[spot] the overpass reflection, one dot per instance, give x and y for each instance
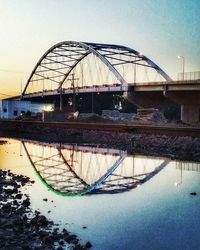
(74, 170)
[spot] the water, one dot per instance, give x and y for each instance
(125, 201)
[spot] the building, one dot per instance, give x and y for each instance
(11, 109)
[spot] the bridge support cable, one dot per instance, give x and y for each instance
(107, 174)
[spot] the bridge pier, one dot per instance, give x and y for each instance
(190, 113)
(190, 108)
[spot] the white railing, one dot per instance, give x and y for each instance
(188, 76)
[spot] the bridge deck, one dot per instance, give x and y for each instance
(187, 85)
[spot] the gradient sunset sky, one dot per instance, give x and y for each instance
(160, 29)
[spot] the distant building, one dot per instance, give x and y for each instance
(10, 109)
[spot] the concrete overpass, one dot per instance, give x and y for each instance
(162, 94)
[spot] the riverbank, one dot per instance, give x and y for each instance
(174, 147)
(23, 228)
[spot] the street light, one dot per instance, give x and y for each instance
(183, 64)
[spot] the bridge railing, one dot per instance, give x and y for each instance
(195, 75)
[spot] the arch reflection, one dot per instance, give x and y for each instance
(74, 170)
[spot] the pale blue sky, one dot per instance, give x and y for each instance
(161, 29)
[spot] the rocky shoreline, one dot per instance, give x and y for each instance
(23, 228)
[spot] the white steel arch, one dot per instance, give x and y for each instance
(54, 67)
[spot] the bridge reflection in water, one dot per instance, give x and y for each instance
(74, 170)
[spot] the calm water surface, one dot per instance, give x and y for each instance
(125, 201)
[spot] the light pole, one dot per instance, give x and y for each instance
(183, 64)
(139, 56)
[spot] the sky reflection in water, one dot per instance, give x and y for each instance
(142, 202)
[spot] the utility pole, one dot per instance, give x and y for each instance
(73, 79)
(134, 73)
(92, 102)
(74, 96)
(61, 99)
(21, 88)
(183, 66)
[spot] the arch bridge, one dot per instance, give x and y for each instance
(74, 170)
(70, 68)
(89, 66)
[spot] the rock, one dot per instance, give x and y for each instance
(8, 224)
(18, 196)
(59, 248)
(42, 221)
(7, 208)
(7, 182)
(88, 245)
(79, 247)
(9, 191)
(150, 115)
(61, 242)
(47, 240)
(193, 193)
(22, 228)
(26, 202)
(68, 238)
